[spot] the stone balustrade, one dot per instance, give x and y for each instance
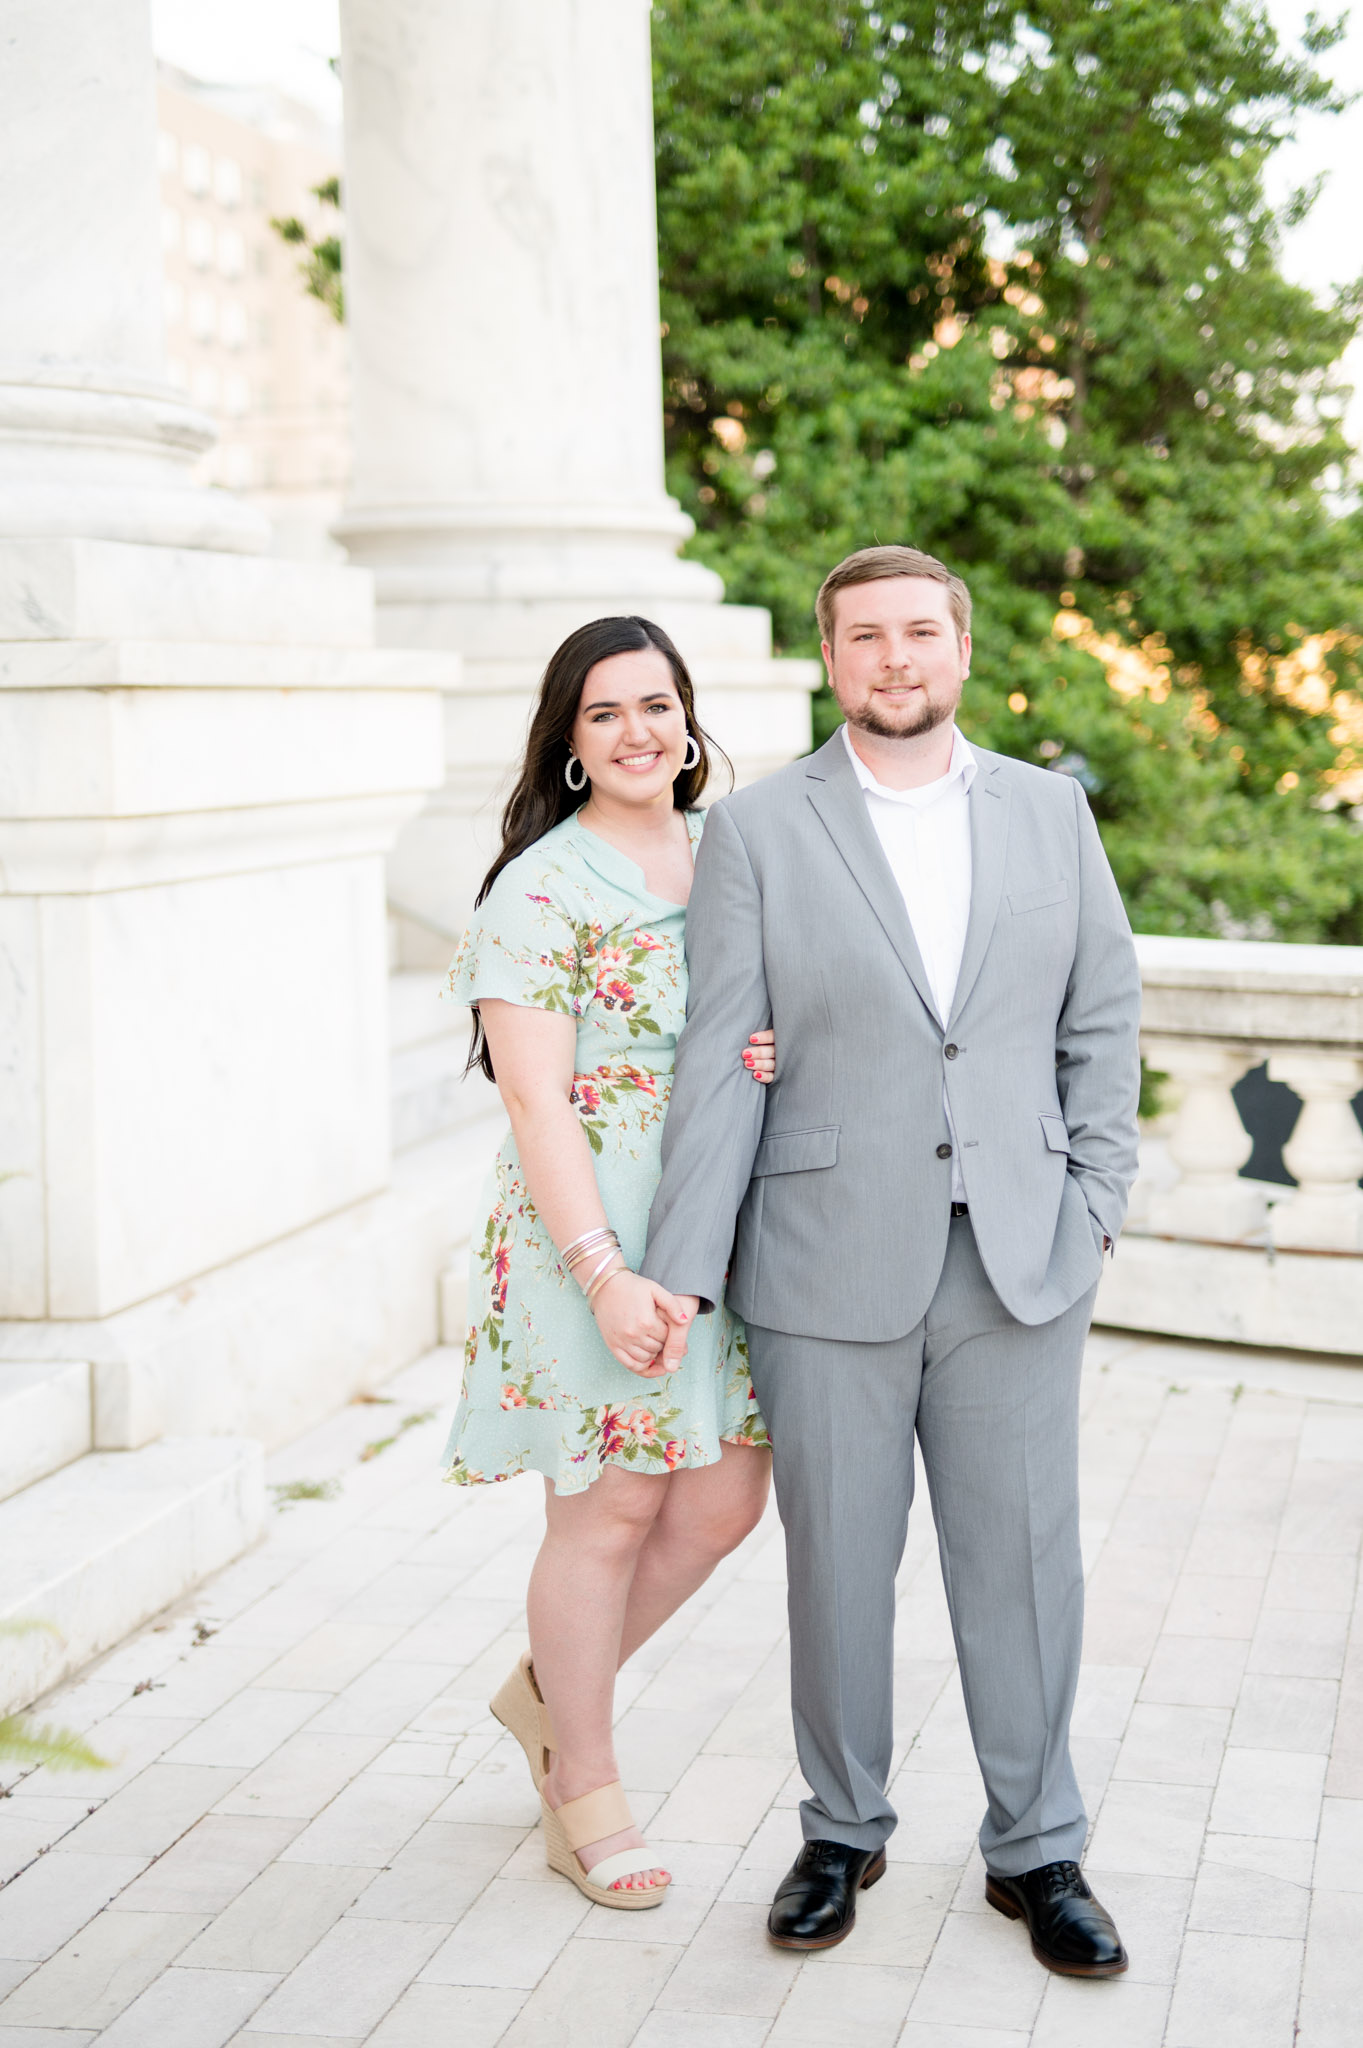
(1209, 1252)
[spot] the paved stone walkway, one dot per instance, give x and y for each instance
(314, 1833)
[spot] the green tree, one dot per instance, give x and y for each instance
(321, 268)
(1005, 284)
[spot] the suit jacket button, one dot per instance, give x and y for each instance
(944, 1151)
(950, 1051)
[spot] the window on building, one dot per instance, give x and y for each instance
(236, 394)
(173, 301)
(257, 191)
(227, 181)
(232, 326)
(170, 228)
(197, 169)
(199, 244)
(167, 153)
(258, 260)
(231, 253)
(203, 316)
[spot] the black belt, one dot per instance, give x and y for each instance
(960, 1208)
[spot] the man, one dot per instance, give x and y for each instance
(913, 1219)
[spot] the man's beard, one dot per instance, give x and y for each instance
(927, 718)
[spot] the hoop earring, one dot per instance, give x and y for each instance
(692, 749)
(568, 767)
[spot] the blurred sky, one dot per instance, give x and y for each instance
(287, 43)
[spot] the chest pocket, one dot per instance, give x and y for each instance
(797, 1151)
(1039, 899)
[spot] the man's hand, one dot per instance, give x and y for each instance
(680, 1317)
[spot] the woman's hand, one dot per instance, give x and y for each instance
(635, 1317)
(760, 1056)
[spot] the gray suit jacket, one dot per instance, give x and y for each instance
(826, 1197)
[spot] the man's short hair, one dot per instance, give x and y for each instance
(877, 565)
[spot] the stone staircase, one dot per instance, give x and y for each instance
(95, 1542)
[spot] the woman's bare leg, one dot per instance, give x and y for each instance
(617, 1562)
(579, 1591)
(706, 1514)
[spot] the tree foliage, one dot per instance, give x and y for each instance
(1003, 283)
(322, 267)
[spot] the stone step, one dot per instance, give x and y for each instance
(96, 1549)
(430, 1041)
(45, 1421)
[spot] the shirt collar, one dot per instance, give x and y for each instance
(963, 765)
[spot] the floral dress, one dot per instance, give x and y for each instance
(569, 926)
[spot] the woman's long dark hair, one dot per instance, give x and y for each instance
(541, 798)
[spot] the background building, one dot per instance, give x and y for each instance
(243, 338)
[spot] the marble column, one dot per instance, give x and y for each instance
(203, 763)
(93, 441)
(502, 295)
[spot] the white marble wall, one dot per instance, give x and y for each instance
(193, 954)
(1207, 1252)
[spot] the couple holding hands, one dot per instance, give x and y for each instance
(905, 1198)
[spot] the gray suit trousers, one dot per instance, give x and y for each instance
(995, 1404)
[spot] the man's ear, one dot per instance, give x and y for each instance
(827, 652)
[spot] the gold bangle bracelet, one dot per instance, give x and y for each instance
(587, 1285)
(606, 1283)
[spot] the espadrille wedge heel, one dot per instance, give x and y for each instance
(519, 1706)
(590, 1819)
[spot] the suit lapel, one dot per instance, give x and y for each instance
(988, 851)
(836, 795)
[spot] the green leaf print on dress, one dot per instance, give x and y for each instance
(569, 927)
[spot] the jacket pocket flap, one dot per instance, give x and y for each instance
(1054, 1131)
(797, 1151)
(1037, 899)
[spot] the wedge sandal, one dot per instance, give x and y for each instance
(519, 1705)
(589, 1819)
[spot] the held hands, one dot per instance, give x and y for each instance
(642, 1324)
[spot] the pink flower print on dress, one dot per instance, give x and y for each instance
(512, 1397)
(612, 983)
(539, 899)
(501, 1273)
(644, 1423)
(674, 1450)
(586, 1096)
(640, 1078)
(646, 942)
(611, 1425)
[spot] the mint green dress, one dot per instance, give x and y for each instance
(569, 926)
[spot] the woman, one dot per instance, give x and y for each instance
(575, 968)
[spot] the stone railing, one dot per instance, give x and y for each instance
(1208, 1252)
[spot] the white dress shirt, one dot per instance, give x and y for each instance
(926, 836)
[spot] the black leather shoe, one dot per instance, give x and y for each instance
(816, 1902)
(1070, 1931)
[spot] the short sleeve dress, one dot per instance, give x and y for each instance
(569, 926)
